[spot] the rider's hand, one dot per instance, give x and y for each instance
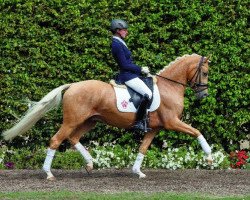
(145, 70)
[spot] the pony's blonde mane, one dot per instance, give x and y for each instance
(176, 60)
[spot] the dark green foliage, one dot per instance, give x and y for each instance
(44, 44)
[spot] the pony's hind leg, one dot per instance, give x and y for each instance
(74, 140)
(55, 142)
(148, 137)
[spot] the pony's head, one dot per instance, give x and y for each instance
(188, 70)
(198, 78)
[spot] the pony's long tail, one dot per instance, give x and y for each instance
(36, 112)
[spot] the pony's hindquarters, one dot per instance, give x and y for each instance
(50, 101)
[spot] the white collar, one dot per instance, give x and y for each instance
(121, 40)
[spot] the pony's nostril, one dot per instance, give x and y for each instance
(205, 95)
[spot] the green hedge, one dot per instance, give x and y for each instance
(44, 44)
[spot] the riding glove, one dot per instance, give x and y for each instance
(145, 70)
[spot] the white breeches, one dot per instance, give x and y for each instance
(139, 86)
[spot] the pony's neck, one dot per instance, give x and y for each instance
(179, 69)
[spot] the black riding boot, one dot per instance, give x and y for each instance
(142, 120)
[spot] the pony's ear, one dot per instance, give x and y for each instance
(208, 58)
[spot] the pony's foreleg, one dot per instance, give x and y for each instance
(74, 140)
(178, 125)
(55, 142)
(142, 151)
(206, 148)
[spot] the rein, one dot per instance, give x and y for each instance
(172, 80)
(198, 77)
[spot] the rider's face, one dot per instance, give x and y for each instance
(123, 33)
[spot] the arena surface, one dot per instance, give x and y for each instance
(214, 182)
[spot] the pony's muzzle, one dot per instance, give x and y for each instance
(202, 94)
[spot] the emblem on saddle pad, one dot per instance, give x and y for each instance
(127, 100)
(124, 104)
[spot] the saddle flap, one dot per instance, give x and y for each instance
(123, 97)
(136, 97)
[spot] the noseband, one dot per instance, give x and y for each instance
(197, 85)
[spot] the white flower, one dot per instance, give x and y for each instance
(165, 144)
(10, 151)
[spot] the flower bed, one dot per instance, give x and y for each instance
(239, 159)
(114, 155)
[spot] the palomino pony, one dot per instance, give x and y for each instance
(86, 102)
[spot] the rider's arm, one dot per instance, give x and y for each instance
(123, 62)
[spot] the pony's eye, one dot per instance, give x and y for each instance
(205, 74)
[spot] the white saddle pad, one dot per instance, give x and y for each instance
(124, 105)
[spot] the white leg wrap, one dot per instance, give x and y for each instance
(137, 165)
(48, 160)
(204, 145)
(86, 155)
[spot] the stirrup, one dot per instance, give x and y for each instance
(141, 126)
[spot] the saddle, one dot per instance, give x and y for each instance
(136, 97)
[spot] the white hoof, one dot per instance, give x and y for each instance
(138, 172)
(89, 167)
(209, 159)
(50, 176)
(142, 175)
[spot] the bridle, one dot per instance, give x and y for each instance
(196, 85)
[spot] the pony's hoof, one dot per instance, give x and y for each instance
(141, 175)
(209, 160)
(89, 168)
(138, 172)
(51, 178)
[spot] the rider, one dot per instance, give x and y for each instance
(129, 72)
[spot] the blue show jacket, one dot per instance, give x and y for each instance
(122, 55)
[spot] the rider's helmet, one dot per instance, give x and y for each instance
(118, 24)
